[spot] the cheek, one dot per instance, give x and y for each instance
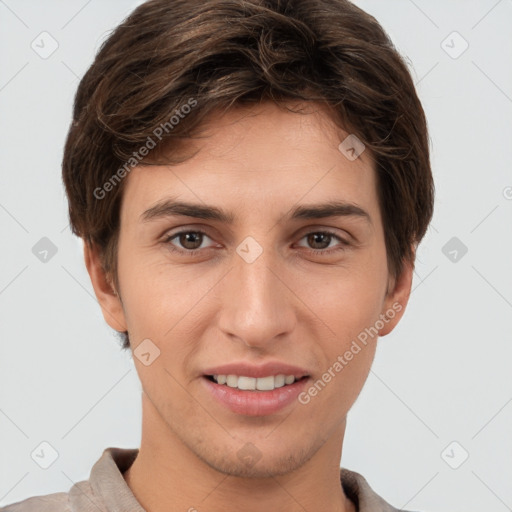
(350, 306)
(350, 309)
(146, 295)
(161, 299)
(348, 299)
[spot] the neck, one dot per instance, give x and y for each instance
(168, 476)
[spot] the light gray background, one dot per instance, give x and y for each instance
(443, 375)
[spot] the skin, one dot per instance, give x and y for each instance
(289, 305)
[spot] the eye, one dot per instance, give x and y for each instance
(190, 241)
(321, 240)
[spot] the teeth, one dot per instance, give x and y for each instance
(232, 381)
(251, 383)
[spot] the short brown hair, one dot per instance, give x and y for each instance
(221, 53)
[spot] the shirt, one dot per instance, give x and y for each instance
(107, 491)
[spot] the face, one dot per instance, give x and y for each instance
(279, 267)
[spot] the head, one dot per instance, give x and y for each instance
(246, 110)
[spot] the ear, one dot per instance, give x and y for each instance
(107, 296)
(397, 298)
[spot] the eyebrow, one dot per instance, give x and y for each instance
(170, 208)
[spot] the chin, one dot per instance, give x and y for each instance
(249, 462)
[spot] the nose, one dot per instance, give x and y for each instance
(257, 305)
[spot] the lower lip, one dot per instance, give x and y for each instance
(255, 403)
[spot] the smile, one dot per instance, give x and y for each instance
(245, 383)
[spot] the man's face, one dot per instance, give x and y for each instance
(266, 287)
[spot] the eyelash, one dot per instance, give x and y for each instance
(194, 252)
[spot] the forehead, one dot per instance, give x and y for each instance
(255, 157)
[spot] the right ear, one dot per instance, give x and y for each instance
(108, 298)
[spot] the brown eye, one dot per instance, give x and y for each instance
(190, 240)
(187, 242)
(319, 240)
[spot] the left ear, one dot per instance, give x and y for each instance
(397, 298)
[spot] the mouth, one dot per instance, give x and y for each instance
(255, 396)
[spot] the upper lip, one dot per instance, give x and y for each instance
(263, 370)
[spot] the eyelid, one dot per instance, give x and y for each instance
(344, 237)
(342, 242)
(339, 233)
(169, 235)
